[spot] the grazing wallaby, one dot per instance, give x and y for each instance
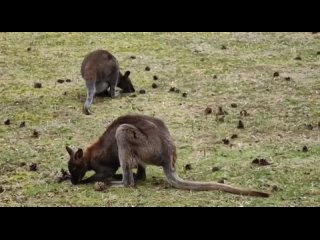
(134, 141)
(100, 69)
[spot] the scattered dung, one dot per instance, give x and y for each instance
(305, 149)
(244, 113)
(172, 89)
(37, 85)
(208, 111)
(240, 125)
(215, 168)
(234, 136)
(147, 68)
(33, 167)
(261, 162)
(234, 105)
(221, 111)
(60, 81)
(226, 141)
(35, 134)
(187, 167)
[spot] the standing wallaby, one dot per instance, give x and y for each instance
(134, 141)
(100, 70)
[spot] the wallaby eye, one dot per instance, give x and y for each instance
(72, 168)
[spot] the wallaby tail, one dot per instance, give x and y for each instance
(177, 182)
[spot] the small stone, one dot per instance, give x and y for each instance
(99, 186)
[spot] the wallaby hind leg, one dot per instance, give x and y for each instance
(128, 139)
(128, 180)
(91, 90)
(113, 83)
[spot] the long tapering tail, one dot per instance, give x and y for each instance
(177, 182)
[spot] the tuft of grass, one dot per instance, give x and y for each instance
(278, 110)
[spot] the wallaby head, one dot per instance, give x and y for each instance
(125, 83)
(76, 164)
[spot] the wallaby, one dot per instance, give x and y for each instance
(134, 141)
(100, 69)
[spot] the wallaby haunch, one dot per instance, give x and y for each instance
(134, 141)
(100, 69)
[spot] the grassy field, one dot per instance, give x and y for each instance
(282, 123)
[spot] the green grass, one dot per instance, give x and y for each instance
(274, 129)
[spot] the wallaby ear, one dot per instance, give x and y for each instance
(69, 150)
(127, 73)
(79, 154)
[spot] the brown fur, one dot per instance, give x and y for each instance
(133, 141)
(101, 72)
